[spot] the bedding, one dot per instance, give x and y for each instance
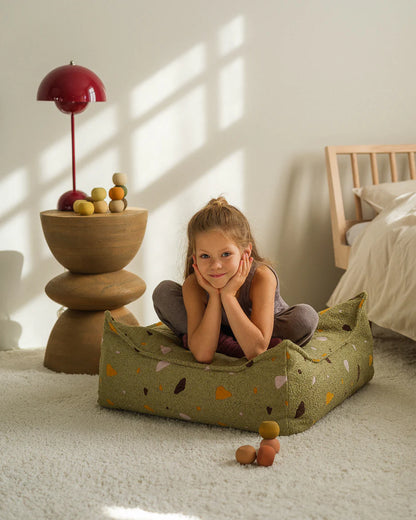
(354, 232)
(382, 263)
(145, 369)
(380, 196)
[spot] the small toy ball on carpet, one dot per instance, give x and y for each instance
(274, 443)
(265, 455)
(269, 429)
(269, 446)
(245, 454)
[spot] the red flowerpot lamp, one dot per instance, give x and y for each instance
(72, 87)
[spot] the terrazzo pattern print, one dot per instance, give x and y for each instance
(145, 369)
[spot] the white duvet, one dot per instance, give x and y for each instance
(383, 263)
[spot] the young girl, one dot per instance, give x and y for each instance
(230, 300)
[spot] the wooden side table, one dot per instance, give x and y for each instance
(94, 249)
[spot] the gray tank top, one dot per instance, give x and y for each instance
(244, 296)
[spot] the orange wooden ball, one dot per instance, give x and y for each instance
(116, 193)
(265, 456)
(245, 454)
(274, 443)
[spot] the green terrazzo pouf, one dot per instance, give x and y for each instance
(145, 369)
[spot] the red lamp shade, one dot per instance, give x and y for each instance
(71, 87)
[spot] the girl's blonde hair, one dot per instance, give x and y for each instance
(219, 214)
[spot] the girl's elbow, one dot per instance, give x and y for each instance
(201, 356)
(258, 349)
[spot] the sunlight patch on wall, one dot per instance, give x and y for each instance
(231, 36)
(14, 188)
(169, 137)
(99, 170)
(96, 131)
(231, 76)
(135, 513)
(165, 252)
(168, 80)
(231, 93)
(89, 137)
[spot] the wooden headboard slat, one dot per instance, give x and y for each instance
(393, 166)
(340, 224)
(412, 167)
(374, 168)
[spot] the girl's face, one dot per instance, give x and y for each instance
(217, 257)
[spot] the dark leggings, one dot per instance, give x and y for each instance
(297, 323)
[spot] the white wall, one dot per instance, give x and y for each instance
(204, 97)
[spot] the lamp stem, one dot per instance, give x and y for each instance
(73, 150)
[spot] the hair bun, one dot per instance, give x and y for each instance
(220, 201)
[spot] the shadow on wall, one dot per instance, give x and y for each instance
(306, 262)
(11, 265)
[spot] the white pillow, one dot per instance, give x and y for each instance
(354, 231)
(379, 196)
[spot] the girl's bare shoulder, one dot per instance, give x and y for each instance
(263, 278)
(191, 287)
(190, 283)
(263, 273)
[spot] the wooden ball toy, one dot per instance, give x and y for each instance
(85, 208)
(120, 179)
(116, 206)
(100, 206)
(265, 456)
(76, 204)
(125, 203)
(269, 429)
(124, 188)
(245, 454)
(116, 193)
(98, 194)
(274, 443)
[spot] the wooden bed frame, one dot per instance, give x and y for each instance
(340, 223)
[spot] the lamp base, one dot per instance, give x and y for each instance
(67, 199)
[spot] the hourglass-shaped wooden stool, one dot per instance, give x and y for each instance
(94, 249)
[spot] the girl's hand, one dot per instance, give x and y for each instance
(203, 283)
(234, 284)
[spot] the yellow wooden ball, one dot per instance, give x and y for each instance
(76, 204)
(269, 429)
(85, 208)
(98, 194)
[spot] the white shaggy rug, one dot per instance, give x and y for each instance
(63, 457)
